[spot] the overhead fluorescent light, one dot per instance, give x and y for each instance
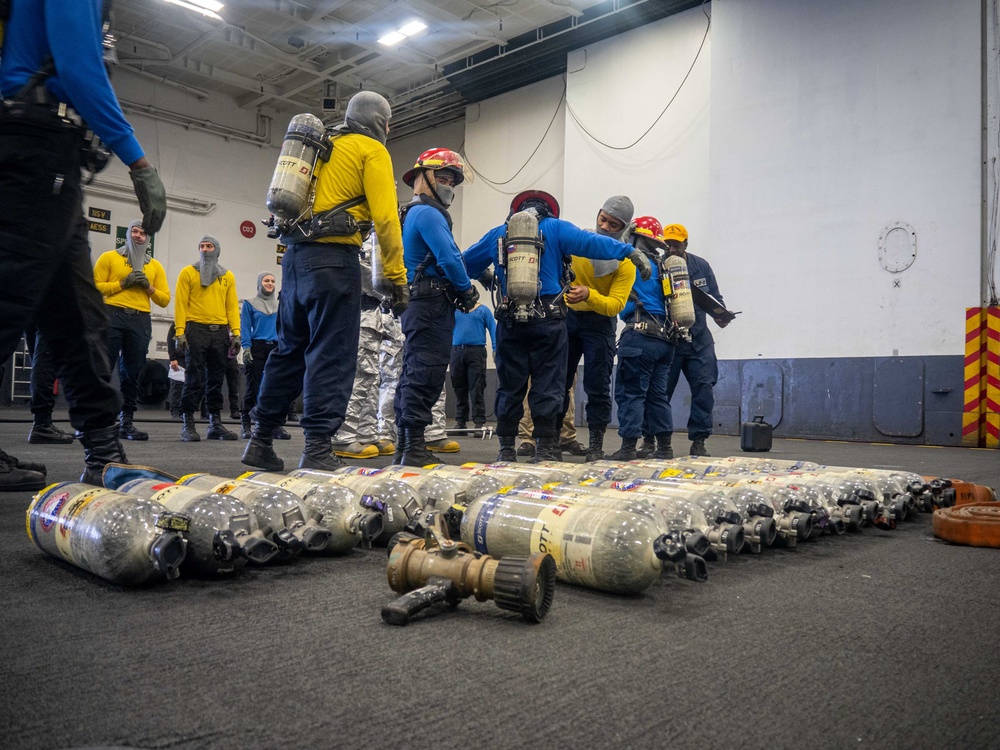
(412, 28)
(393, 37)
(205, 7)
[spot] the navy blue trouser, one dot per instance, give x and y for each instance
(43, 374)
(643, 362)
(701, 370)
(535, 350)
(128, 342)
(208, 346)
(591, 336)
(468, 378)
(428, 324)
(260, 352)
(45, 269)
(319, 320)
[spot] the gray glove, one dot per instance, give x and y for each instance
(400, 299)
(468, 299)
(247, 355)
(488, 279)
(152, 198)
(641, 262)
(136, 278)
(182, 343)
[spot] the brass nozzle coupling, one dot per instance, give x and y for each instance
(450, 571)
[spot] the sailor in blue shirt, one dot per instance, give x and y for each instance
(258, 338)
(695, 358)
(55, 86)
(645, 349)
(537, 348)
(468, 363)
(438, 284)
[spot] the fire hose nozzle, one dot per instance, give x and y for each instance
(448, 574)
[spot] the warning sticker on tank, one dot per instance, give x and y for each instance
(70, 512)
(553, 533)
(625, 486)
(175, 497)
(49, 512)
(481, 526)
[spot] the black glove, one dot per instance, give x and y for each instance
(152, 198)
(641, 263)
(468, 299)
(182, 344)
(488, 279)
(234, 347)
(400, 299)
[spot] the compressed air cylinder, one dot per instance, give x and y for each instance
(681, 301)
(550, 473)
(721, 513)
(224, 532)
(477, 481)
(350, 523)
(294, 527)
(124, 539)
(673, 514)
(288, 194)
(437, 491)
(380, 284)
(841, 499)
(523, 255)
(576, 472)
(602, 548)
(398, 503)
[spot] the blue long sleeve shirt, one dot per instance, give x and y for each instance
(471, 328)
(650, 294)
(560, 238)
(425, 230)
(256, 325)
(703, 277)
(69, 31)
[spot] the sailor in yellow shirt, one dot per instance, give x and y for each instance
(320, 312)
(599, 292)
(129, 278)
(205, 310)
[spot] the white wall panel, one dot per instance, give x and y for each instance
(830, 120)
(500, 135)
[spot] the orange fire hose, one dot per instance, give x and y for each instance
(974, 524)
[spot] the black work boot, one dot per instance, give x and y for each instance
(260, 451)
(547, 449)
(280, 433)
(573, 448)
(100, 447)
(17, 463)
(128, 430)
(217, 430)
(627, 451)
(397, 456)
(663, 450)
(15, 478)
(647, 448)
(246, 429)
(595, 451)
(43, 432)
(507, 450)
(698, 447)
(188, 433)
(415, 451)
(318, 454)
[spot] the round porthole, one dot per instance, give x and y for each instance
(897, 247)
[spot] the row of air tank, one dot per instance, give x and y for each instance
(609, 526)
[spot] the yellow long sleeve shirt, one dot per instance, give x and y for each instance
(215, 304)
(608, 294)
(111, 268)
(360, 165)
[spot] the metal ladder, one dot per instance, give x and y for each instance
(20, 374)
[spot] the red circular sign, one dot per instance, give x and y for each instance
(248, 229)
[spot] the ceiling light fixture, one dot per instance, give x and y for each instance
(395, 37)
(412, 28)
(205, 7)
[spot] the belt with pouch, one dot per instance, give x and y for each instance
(651, 326)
